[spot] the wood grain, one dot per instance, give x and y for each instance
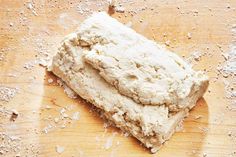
(209, 23)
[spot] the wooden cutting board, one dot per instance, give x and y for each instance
(29, 30)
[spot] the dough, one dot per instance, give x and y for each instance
(152, 124)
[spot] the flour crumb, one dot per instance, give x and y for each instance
(189, 35)
(60, 149)
(97, 139)
(194, 152)
(81, 153)
(167, 43)
(198, 117)
(197, 56)
(129, 24)
(230, 133)
(114, 7)
(120, 9)
(108, 143)
(30, 6)
(76, 116)
(48, 107)
(44, 62)
(48, 128)
(50, 80)
(118, 143)
(29, 65)
(126, 134)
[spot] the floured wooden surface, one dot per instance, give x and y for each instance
(49, 123)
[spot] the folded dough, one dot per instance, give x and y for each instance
(87, 62)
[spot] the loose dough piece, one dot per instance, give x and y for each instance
(151, 124)
(139, 68)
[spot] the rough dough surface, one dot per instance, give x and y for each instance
(139, 68)
(151, 124)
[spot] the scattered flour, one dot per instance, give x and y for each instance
(12, 144)
(65, 117)
(229, 66)
(228, 70)
(7, 93)
(230, 87)
(88, 7)
(66, 21)
(9, 144)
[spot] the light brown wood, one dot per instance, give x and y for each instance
(24, 34)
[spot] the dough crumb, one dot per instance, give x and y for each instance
(60, 149)
(189, 35)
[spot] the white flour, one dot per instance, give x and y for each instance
(7, 93)
(229, 66)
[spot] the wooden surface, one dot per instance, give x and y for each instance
(26, 32)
